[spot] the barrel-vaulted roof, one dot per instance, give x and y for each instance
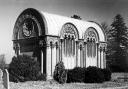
(54, 23)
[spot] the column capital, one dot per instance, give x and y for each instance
(81, 47)
(42, 43)
(85, 42)
(57, 45)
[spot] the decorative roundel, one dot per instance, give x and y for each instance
(27, 27)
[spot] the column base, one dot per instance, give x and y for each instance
(49, 77)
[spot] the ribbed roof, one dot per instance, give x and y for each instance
(56, 22)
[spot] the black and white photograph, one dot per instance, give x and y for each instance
(63, 44)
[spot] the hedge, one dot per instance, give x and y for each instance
(90, 74)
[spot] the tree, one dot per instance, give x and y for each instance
(106, 29)
(118, 40)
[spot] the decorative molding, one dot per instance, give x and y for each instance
(20, 21)
(102, 47)
(91, 35)
(69, 30)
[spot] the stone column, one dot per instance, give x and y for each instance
(51, 50)
(100, 57)
(70, 46)
(85, 53)
(76, 53)
(57, 53)
(53, 57)
(42, 61)
(42, 45)
(65, 44)
(48, 61)
(61, 49)
(104, 57)
(97, 48)
(81, 56)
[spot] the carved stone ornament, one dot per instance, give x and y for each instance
(91, 34)
(69, 29)
(27, 23)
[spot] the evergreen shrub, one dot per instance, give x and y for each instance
(60, 74)
(107, 74)
(94, 75)
(24, 68)
(76, 75)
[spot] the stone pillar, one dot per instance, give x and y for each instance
(97, 48)
(81, 56)
(104, 57)
(51, 50)
(42, 45)
(76, 53)
(42, 61)
(61, 49)
(48, 61)
(100, 57)
(70, 46)
(85, 54)
(57, 53)
(65, 45)
(53, 57)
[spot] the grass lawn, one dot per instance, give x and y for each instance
(54, 85)
(51, 84)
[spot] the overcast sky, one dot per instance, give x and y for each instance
(94, 10)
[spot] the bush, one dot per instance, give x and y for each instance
(88, 75)
(24, 68)
(94, 75)
(60, 74)
(107, 74)
(76, 75)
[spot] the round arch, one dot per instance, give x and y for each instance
(73, 30)
(103, 32)
(91, 33)
(34, 15)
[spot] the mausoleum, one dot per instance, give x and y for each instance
(52, 38)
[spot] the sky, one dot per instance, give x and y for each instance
(89, 10)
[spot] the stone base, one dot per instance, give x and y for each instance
(49, 77)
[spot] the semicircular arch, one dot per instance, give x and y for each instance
(91, 34)
(35, 16)
(69, 28)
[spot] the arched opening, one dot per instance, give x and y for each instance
(28, 32)
(91, 38)
(69, 35)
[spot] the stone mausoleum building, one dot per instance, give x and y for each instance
(52, 38)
